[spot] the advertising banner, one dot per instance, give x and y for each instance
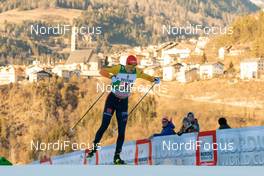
(105, 156)
(174, 150)
(206, 153)
(241, 147)
(230, 147)
(143, 154)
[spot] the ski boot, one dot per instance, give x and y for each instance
(91, 153)
(118, 160)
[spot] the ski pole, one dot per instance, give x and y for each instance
(74, 126)
(138, 103)
(141, 99)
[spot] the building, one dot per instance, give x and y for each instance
(176, 52)
(152, 71)
(225, 51)
(192, 75)
(210, 70)
(61, 71)
(142, 55)
(73, 39)
(7, 75)
(236, 50)
(221, 53)
(168, 73)
(180, 75)
(167, 60)
(40, 75)
(173, 72)
(261, 68)
(187, 73)
(20, 73)
(198, 51)
(200, 45)
(191, 66)
(146, 62)
(32, 69)
(252, 68)
(86, 61)
(169, 53)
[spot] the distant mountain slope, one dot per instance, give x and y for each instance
(133, 22)
(141, 22)
(54, 14)
(173, 9)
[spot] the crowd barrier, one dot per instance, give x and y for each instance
(230, 147)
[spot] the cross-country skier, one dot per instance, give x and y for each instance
(123, 78)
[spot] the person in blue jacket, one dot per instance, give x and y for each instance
(167, 128)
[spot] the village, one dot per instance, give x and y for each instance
(172, 61)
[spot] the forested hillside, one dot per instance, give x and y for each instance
(212, 8)
(123, 22)
(247, 32)
(46, 110)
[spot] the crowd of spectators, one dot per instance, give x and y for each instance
(189, 125)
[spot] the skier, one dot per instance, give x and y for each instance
(122, 78)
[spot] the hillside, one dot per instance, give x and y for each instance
(204, 7)
(54, 14)
(247, 35)
(45, 111)
(134, 23)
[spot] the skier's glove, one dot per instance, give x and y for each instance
(157, 80)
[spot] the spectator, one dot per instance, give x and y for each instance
(167, 128)
(194, 121)
(223, 123)
(187, 127)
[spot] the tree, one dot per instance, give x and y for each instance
(231, 65)
(136, 7)
(204, 58)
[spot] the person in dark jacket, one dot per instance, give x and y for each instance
(223, 123)
(167, 128)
